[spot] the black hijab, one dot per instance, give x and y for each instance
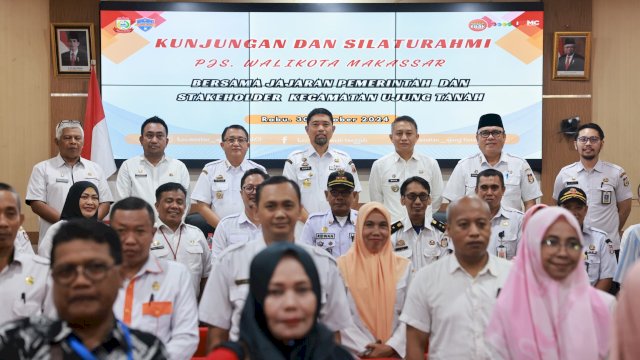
(254, 332)
(71, 209)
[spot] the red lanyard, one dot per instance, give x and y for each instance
(175, 253)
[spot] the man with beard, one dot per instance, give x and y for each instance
(606, 184)
(310, 167)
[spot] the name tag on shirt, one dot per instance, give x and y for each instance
(305, 168)
(394, 180)
(141, 175)
(62, 180)
(571, 183)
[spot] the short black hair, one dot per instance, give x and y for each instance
(133, 203)
(275, 180)
(237, 127)
(88, 230)
(9, 188)
(154, 120)
(405, 118)
(319, 111)
(490, 173)
(593, 126)
(254, 171)
(418, 179)
(170, 186)
(73, 35)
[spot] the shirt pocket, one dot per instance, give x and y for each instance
(160, 252)
(594, 267)
(23, 309)
(511, 243)
(238, 238)
(219, 192)
(156, 317)
(238, 296)
(470, 185)
(194, 258)
(512, 186)
(305, 181)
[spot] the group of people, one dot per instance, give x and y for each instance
(297, 269)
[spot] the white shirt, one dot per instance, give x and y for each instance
(51, 179)
(324, 231)
(453, 307)
(233, 229)
(138, 177)
(357, 336)
(600, 257)
(26, 288)
(45, 245)
(22, 243)
(219, 186)
(187, 246)
(605, 185)
(311, 172)
(509, 222)
(390, 171)
(160, 300)
(519, 180)
(421, 249)
(228, 286)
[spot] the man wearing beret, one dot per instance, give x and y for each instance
(521, 185)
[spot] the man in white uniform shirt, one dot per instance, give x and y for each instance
(310, 167)
(217, 192)
(450, 301)
(156, 295)
(243, 226)
(391, 170)
(521, 185)
(24, 278)
(506, 223)
(278, 208)
(606, 184)
(174, 240)
(141, 175)
(51, 179)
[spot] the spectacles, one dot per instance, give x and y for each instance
(337, 193)
(249, 188)
(413, 196)
(65, 275)
(65, 122)
(592, 139)
(239, 140)
(572, 246)
(495, 133)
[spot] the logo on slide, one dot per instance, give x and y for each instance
(478, 24)
(123, 25)
(145, 24)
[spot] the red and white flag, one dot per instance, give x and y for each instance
(97, 146)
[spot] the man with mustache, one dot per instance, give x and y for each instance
(310, 167)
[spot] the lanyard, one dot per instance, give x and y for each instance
(78, 347)
(175, 253)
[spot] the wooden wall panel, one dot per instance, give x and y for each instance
(24, 92)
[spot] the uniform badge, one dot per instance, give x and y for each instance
(29, 280)
(432, 242)
(605, 180)
(319, 243)
(475, 174)
(193, 242)
(330, 243)
(592, 247)
(89, 173)
(219, 195)
(170, 174)
(625, 179)
(420, 171)
(530, 178)
(444, 242)
(219, 178)
(310, 174)
(401, 245)
(395, 188)
(306, 183)
(325, 229)
(155, 286)
(304, 159)
(606, 197)
(336, 160)
(393, 176)
(304, 163)
(505, 223)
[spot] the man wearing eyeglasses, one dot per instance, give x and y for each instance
(521, 185)
(141, 175)
(417, 237)
(217, 192)
(85, 263)
(243, 226)
(597, 249)
(310, 167)
(333, 230)
(506, 223)
(606, 184)
(51, 179)
(24, 277)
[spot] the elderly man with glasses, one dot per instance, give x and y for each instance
(51, 179)
(520, 182)
(607, 185)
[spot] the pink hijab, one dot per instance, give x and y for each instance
(626, 344)
(537, 317)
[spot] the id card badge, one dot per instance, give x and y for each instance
(606, 197)
(501, 251)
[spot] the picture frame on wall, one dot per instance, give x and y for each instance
(72, 48)
(571, 55)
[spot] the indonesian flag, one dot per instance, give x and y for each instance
(97, 146)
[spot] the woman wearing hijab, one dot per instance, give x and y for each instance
(279, 319)
(377, 281)
(82, 202)
(547, 308)
(626, 321)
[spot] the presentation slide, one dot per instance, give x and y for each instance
(265, 68)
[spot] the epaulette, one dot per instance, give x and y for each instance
(439, 225)
(396, 226)
(289, 161)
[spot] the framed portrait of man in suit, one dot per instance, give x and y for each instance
(72, 49)
(571, 55)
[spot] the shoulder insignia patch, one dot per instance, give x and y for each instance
(396, 226)
(439, 225)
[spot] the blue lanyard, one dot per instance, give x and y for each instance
(78, 347)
